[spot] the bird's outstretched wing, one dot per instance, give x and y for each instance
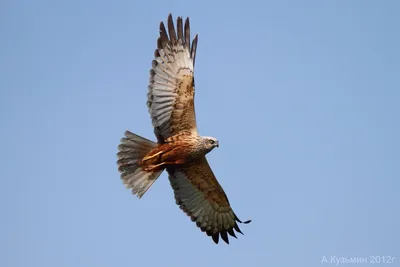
(171, 85)
(200, 196)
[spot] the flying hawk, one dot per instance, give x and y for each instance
(180, 149)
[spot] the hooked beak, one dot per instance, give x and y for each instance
(217, 144)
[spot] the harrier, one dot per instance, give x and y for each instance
(180, 149)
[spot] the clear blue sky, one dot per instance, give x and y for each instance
(302, 95)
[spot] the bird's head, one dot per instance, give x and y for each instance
(209, 143)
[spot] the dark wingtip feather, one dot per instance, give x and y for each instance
(171, 28)
(215, 237)
(163, 34)
(193, 49)
(179, 28)
(232, 233)
(237, 228)
(187, 33)
(159, 44)
(237, 219)
(224, 237)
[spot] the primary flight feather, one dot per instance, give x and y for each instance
(180, 149)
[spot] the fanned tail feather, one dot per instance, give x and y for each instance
(131, 151)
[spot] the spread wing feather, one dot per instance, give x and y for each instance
(201, 197)
(171, 85)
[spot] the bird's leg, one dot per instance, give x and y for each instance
(152, 167)
(151, 156)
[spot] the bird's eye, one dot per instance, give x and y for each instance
(212, 141)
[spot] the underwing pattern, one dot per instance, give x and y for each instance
(179, 150)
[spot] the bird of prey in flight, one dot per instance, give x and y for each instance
(179, 148)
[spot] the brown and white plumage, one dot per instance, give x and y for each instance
(171, 86)
(201, 197)
(180, 149)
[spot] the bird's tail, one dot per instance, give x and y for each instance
(131, 151)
